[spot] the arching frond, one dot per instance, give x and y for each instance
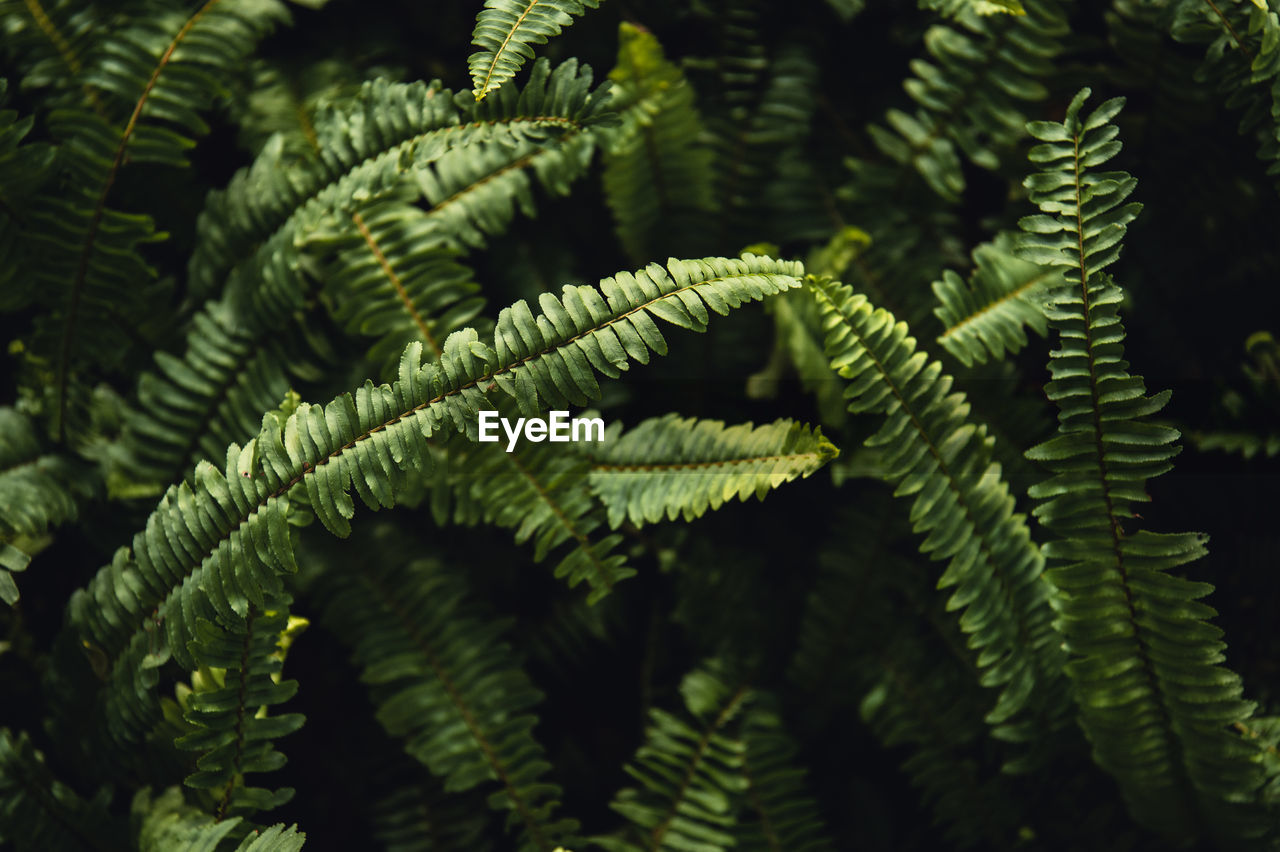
(669, 467)
(985, 317)
(213, 549)
(506, 31)
(393, 140)
(933, 453)
(1153, 699)
(446, 684)
(657, 167)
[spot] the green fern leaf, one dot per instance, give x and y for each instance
(506, 31)
(985, 318)
(669, 467)
(445, 683)
(541, 492)
(233, 732)
(979, 71)
(1153, 699)
(933, 453)
(213, 549)
(689, 771)
(152, 76)
(657, 168)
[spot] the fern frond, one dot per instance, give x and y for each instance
(212, 549)
(169, 824)
(389, 141)
(506, 31)
(657, 168)
(986, 317)
(932, 452)
(876, 641)
(39, 813)
(1153, 699)
(689, 771)
(191, 407)
(669, 467)
(780, 814)
(541, 492)
(446, 684)
(49, 41)
(968, 93)
(154, 75)
(38, 491)
(240, 667)
(1241, 63)
(393, 276)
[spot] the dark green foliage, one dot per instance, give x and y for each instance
(1133, 628)
(657, 175)
(932, 452)
(445, 684)
(261, 264)
(39, 491)
(715, 776)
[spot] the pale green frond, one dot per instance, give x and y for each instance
(672, 467)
